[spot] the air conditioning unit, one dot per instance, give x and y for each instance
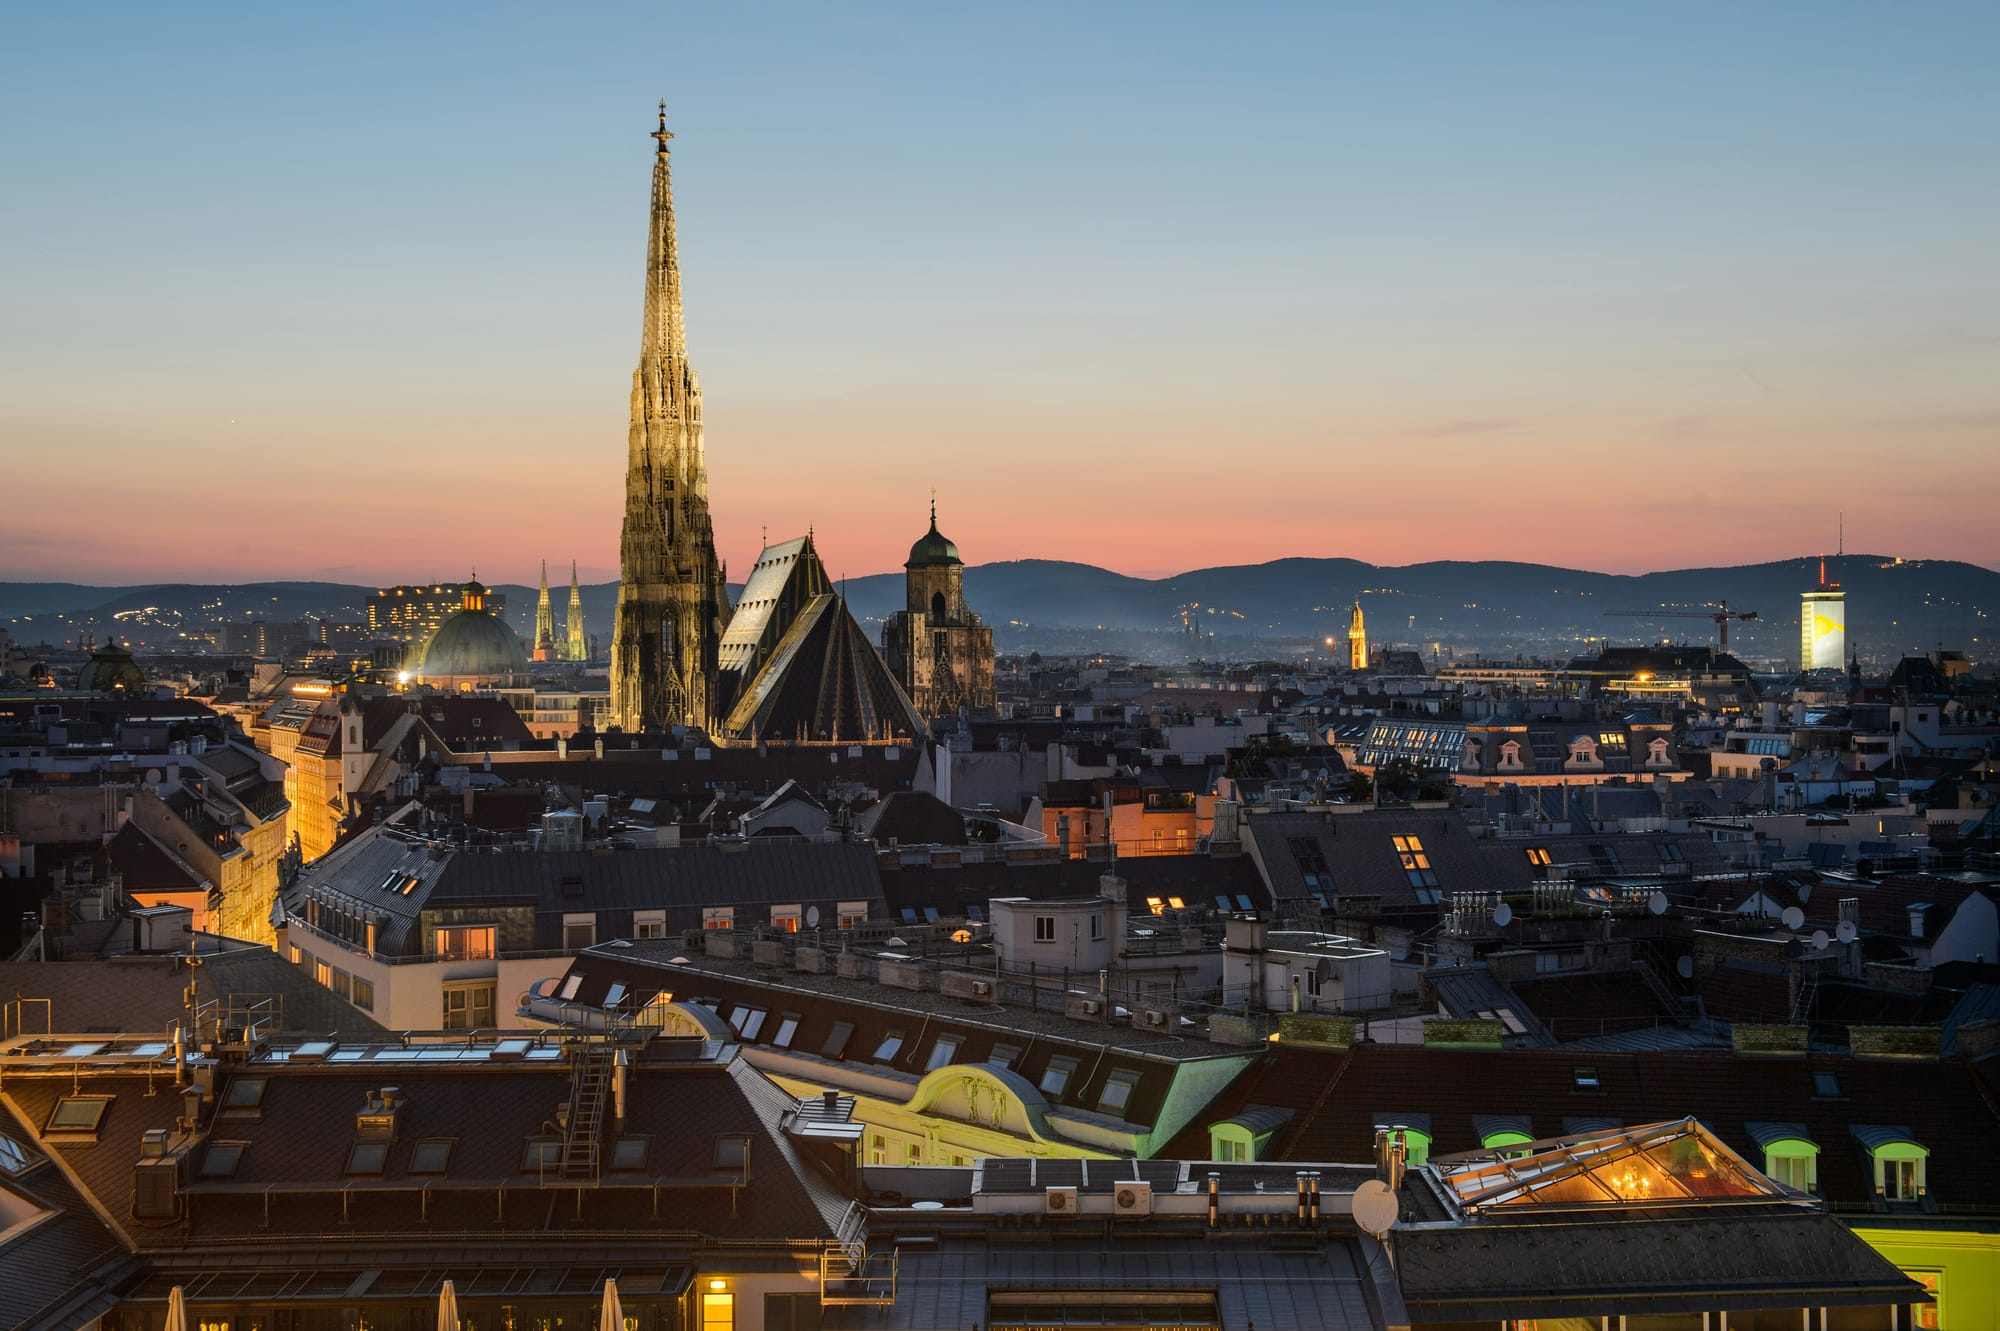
(1133, 1199)
(1059, 1201)
(1153, 1019)
(982, 988)
(1091, 1006)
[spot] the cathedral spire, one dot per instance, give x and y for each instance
(672, 603)
(576, 649)
(545, 621)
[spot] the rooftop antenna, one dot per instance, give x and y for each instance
(1840, 535)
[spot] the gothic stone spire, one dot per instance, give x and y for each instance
(672, 602)
(578, 651)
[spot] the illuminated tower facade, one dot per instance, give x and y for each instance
(673, 603)
(1357, 639)
(937, 648)
(1823, 625)
(545, 622)
(578, 650)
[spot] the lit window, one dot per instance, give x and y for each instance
(1538, 856)
(1057, 1075)
(718, 1312)
(718, 917)
(1416, 861)
(430, 1156)
(943, 1052)
(466, 943)
(221, 1159)
(1155, 905)
(1176, 903)
(786, 918)
(367, 1157)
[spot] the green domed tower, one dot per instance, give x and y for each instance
(111, 670)
(939, 651)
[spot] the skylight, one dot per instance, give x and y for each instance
(78, 1113)
(431, 1156)
(367, 1157)
(1674, 1163)
(221, 1159)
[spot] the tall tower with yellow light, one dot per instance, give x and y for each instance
(1823, 625)
(1357, 639)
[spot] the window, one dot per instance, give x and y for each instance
(1155, 905)
(1826, 1086)
(788, 1026)
(1117, 1092)
(245, 1093)
(579, 932)
(324, 974)
(468, 1007)
(629, 1154)
(465, 943)
(1538, 856)
(1045, 928)
(836, 1040)
(364, 994)
(78, 1114)
(1670, 853)
(430, 1156)
(367, 1157)
(649, 924)
(221, 1159)
(1584, 1078)
(1794, 1171)
(718, 1312)
(878, 1151)
(748, 1021)
(539, 1153)
(718, 917)
(343, 983)
(732, 1152)
(891, 1045)
(1902, 1180)
(1056, 1076)
(913, 1153)
(943, 1052)
(1230, 1148)
(1096, 926)
(786, 918)
(1928, 1316)
(13, 1155)
(1416, 862)
(852, 913)
(1004, 1054)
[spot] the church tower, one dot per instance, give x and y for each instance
(545, 622)
(578, 650)
(1357, 639)
(938, 650)
(673, 603)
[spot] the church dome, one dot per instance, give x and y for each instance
(933, 548)
(111, 670)
(472, 642)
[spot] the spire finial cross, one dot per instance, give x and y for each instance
(933, 506)
(663, 133)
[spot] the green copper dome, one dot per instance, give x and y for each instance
(472, 642)
(933, 548)
(111, 670)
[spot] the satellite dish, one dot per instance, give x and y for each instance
(1845, 933)
(1685, 968)
(1503, 915)
(1820, 940)
(1658, 903)
(812, 917)
(1793, 917)
(895, 942)
(1375, 1207)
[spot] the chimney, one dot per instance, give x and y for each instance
(1214, 1199)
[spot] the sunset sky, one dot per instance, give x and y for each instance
(352, 293)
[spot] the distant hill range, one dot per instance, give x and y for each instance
(1493, 607)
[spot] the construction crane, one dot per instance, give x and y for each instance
(1721, 615)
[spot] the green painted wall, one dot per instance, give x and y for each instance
(1969, 1292)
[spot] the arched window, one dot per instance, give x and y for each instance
(937, 606)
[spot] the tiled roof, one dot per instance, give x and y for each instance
(147, 994)
(1197, 879)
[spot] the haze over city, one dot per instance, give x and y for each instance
(1146, 287)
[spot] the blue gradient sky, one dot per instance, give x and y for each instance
(352, 292)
